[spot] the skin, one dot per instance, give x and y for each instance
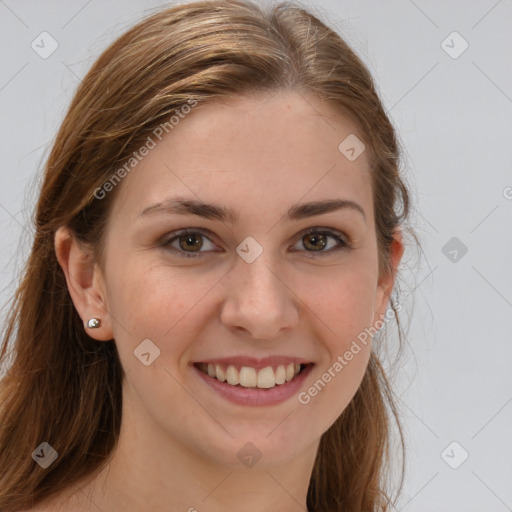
(258, 155)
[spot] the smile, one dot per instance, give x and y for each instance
(249, 377)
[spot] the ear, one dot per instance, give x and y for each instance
(387, 280)
(85, 283)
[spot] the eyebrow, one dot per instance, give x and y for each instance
(215, 212)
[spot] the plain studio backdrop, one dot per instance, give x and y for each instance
(443, 71)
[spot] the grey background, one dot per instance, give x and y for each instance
(454, 116)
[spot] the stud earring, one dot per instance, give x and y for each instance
(94, 323)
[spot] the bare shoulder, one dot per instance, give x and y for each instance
(41, 508)
(38, 508)
(75, 498)
(45, 508)
(58, 504)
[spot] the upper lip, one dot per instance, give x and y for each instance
(254, 362)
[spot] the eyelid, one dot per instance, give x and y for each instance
(166, 241)
(343, 240)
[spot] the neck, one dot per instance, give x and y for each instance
(151, 472)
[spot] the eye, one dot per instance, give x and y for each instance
(187, 243)
(316, 239)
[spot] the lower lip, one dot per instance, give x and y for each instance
(256, 396)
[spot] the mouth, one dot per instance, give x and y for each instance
(248, 377)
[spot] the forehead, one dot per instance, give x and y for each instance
(256, 153)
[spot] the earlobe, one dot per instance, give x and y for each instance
(85, 284)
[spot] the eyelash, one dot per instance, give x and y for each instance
(343, 245)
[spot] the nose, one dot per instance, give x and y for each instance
(258, 301)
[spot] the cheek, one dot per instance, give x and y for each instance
(346, 314)
(334, 387)
(343, 302)
(164, 305)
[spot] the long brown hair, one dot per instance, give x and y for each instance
(62, 386)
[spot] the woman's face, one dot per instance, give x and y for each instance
(247, 287)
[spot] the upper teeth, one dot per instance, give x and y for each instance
(250, 377)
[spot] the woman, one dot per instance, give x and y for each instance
(218, 236)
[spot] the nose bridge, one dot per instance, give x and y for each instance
(257, 300)
(257, 281)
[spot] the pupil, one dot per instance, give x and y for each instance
(318, 241)
(189, 242)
